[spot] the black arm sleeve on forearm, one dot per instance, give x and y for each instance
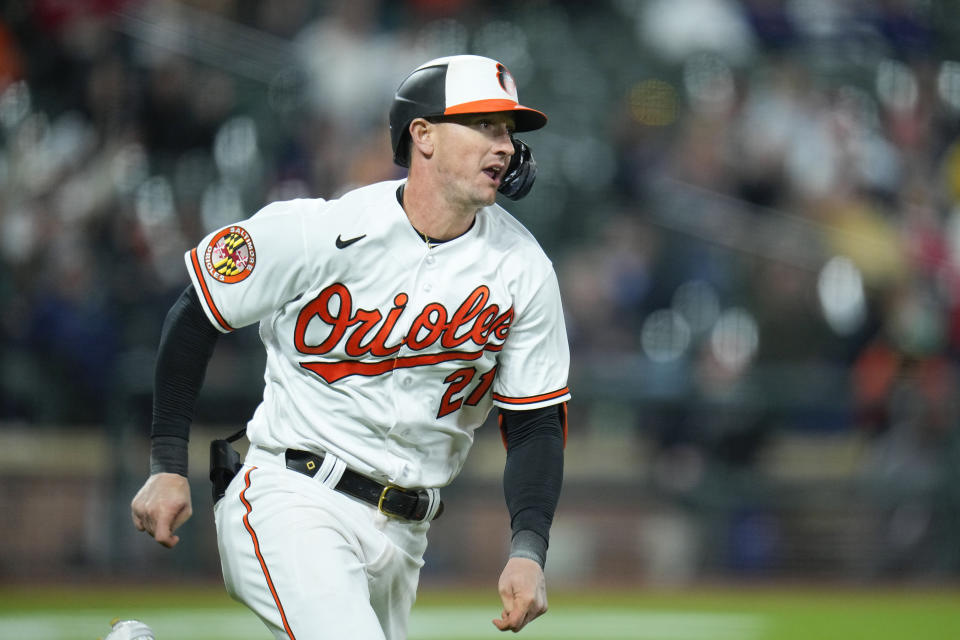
(532, 476)
(186, 345)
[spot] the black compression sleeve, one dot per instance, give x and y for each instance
(186, 345)
(532, 476)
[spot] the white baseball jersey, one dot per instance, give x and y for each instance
(382, 350)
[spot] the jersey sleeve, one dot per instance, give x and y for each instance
(533, 366)
(245, 271)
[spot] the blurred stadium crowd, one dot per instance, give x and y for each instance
(752, 205)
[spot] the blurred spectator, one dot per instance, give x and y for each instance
(732, 187)
(753, 207)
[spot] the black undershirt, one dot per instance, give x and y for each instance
(186, 345)
(532, 476)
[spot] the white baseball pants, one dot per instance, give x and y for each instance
(313, 563)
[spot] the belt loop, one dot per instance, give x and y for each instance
(331, 471)
(434, 495)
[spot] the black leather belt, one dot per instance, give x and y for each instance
(409, 504)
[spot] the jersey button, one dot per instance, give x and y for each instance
(428, 288)
(430, 259)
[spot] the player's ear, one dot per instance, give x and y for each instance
(422, 137)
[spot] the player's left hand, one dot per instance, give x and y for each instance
(523, 591)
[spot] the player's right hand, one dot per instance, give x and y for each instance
(161, 506)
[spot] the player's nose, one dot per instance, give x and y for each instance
(503, 143)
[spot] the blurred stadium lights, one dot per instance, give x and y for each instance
(235, 148)
(842, 298)
(665, 335)
(813, 163)
(735, 339)
(948, 84)
(896, 85)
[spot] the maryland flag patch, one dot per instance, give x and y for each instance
(230, 256)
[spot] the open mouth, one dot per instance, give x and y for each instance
(494, 173)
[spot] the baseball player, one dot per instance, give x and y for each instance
(394, 318)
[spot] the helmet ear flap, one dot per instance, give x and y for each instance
(521, 172)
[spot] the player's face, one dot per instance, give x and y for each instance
(473, 152)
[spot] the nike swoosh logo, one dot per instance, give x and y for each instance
(343, 244)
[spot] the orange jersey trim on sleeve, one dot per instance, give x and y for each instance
(532, 399)
(206, 292)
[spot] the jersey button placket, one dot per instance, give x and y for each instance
(429, 262)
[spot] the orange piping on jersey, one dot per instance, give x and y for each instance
(333, 371)
(563, 421)
(532, 399)
(503, 429)
(256, 548)
(206, 292)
